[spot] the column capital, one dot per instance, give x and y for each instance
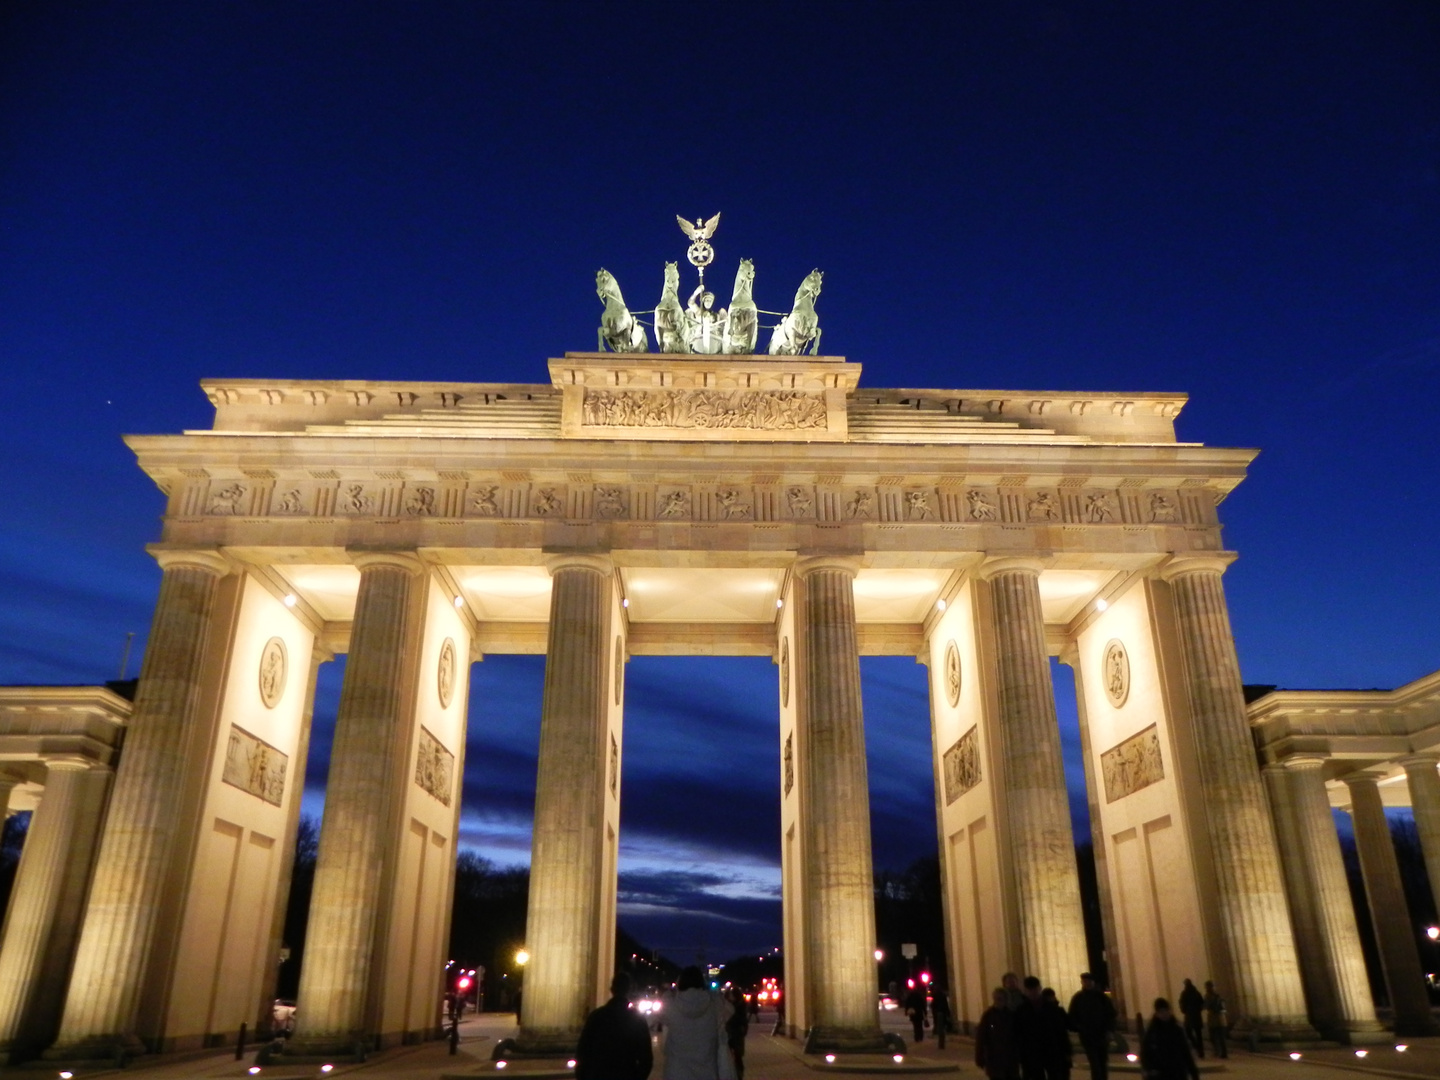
(1362, 777)
(995, 565)
(399, 558)
(845, 564)
(1297, 762)
(575, 560)
(1418, 762)
(212, 559)
(66, 763)
(1196, 562)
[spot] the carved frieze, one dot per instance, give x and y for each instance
(952, 673)
(861, 506)
(254, 766)
(227, 500)
(445, 673)
(764, 410)
(784, 672)
(1115, 672)
(962, 765)
(980, 507)
(434, 767)
(1132, 764)
(789, 762)
(610, 502)
(274, 664)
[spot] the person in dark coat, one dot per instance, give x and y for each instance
(995, 1039)
(915, 1011)
(1192, 1008)
(736, 1028)
(615, 1042)
(1216, 1020)
(1165, 1051)
(1056, 1027)
(940, 1012)
(1092, 1017)
(1030, 1031)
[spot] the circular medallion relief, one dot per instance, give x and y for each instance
(1116, 673)
(273, 666)
(784, 672)
(952, 673)
(619, 667)
(445, 673)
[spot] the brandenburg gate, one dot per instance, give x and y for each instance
(722, 503)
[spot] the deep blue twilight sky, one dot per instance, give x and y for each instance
(1236, 199)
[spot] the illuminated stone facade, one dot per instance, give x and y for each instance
(673, 505)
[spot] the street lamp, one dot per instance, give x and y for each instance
(522, 957)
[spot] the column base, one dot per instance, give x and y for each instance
(121, 1049)
(319, 1049)
(1278, 1035)
(847, 1040)
(538, 1043)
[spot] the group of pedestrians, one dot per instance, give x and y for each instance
(1025, 1033)
(1202, 1013)
(938, 1006)
(704, 1035)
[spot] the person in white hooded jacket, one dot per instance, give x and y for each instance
(695, 1046)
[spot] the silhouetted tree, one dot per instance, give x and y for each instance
(12, 839)
(297, 907)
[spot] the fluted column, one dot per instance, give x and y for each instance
(1040, 840)
(43, 920)
(120, 919)
(1320, 902)
(356, 834)
(1389, 913)
(1424, 783)
(566, 857)
(1250, 887)
(839, 879)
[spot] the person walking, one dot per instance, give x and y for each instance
(1055, 1025)
(736, 1028)
(695, 1045)
(940, 1012)
(995, 1039)
(1092, 1017)
(1014, 996)
(1192, 1008)
(1216, 1020)
(615, 1041)
(915, 1011)
(1165, 1051)
(1030, 1031)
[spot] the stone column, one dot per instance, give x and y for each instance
(7, 785)
(1268, 994)
(356, 834)
(839, 880)
(1424, 783)
(120, 919)
(1320, 903)
(1037, 809)
(567, 854)
(1389, 913)
(43, 921)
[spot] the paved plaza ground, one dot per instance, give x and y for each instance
(766, 1058)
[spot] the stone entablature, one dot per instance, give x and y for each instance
(515, 410)
(1353, 729)
(43, 724)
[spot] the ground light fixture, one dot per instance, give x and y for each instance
(1400, 1048)
(829, 1059)
(1295, 1055)
(66, 1075)
(500, 1064)
(899, 1058)
(1362, 1053)
(879, 955)
(570, 1064)
(326, 1068)
(254, 1070)
(1433, 933)
(1132, 1058)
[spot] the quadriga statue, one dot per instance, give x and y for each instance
(618, 328)
(671, 327)
(742, 326)
(800, 330)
